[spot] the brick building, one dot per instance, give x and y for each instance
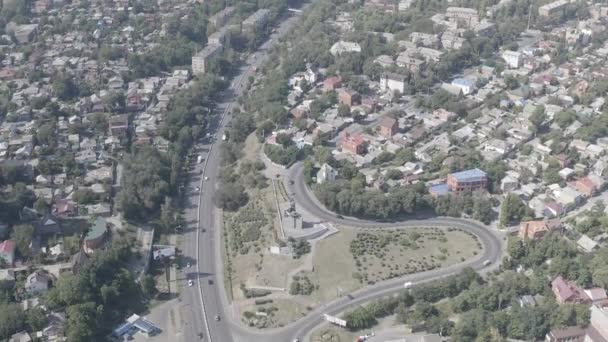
(467, 181)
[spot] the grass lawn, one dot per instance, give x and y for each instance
(385, 254)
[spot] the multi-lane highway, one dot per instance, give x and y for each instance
(201, 303)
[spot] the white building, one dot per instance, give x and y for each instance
(37, 282)
(512, 58)
(466, 86)
(404, 5)
(392, 82)
(326, 174)
(342, 47)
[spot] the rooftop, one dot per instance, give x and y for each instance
(469, 175)
(97, 230)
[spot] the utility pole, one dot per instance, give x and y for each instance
(529, 16)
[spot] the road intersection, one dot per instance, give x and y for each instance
(201, 304)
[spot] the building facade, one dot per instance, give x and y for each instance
(467, 181)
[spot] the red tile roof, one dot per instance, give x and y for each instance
(7, 246)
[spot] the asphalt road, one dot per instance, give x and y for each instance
(202, 302)
(207, 298)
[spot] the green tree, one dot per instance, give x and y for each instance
(12, 320)
(81, 320)
(148, 286)
(22, 235)
(360, 318)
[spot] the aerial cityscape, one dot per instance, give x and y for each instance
(303, 170)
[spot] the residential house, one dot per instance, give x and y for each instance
(467, 86)
(393, 82)
(426, 39)
(404, 60)
(599, 320)
(404, 5)
(95, 237)
(344, 47)
(349, 97)
(48, 225)
(512, 58)
(38, 282)
(467, 181)
(64, 208)
(430, 55)
(384, 61)
(533, 230)
(7, 251)
(553, 209)
(354, 144)
(388, 126)
(326, 174)
(332, 83)
(586, 244)
(443, 114)
(22, 336)
(119, 124)
(568, 292)
(451, 41)
(25, 34)
(568, 334)
(55, 328)
(586, 186)
(596, 295)
(526, 300)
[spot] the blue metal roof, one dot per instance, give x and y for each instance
(125, 329)
(439, 189)
(145, 326)
(463, 82)
(472, 175)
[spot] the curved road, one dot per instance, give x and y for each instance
(201, 303)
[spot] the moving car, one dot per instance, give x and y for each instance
(188, 265)
(217, 317)
(206, 178)
(408, 284)
(487, 262)
(190, 282)
(197, 189)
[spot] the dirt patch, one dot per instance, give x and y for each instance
(251, 148)
(250, 233)
(276, 313)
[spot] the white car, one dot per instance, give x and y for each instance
(197, 189)
(190, 282)
(206, 178)
(188, 265)
(408, 284)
